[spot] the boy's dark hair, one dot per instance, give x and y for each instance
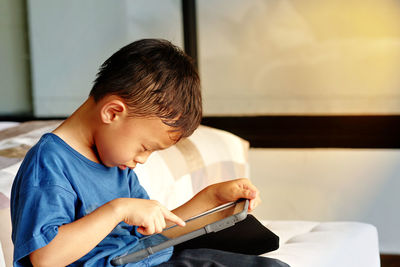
(154, 78)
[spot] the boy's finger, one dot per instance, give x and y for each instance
(141, 230)
(252, 204)
(250, 194)
(173, 218)
(144, 231)
(248, 189)
(254, 190)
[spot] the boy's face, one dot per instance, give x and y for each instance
(129, 141)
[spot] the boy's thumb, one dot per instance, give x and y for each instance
(250, 194)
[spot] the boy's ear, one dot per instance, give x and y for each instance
(112, 110)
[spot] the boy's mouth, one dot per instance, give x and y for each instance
(123, 167)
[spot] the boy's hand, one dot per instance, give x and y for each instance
(149, 215)
(233, 190)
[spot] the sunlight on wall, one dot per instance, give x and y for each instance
(300, 57)
(330, 185)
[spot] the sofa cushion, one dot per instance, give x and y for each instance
(174, 175)
(171, 176)
(328, 244)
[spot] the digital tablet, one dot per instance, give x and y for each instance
(213, 220)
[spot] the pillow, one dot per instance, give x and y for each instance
(174, 175)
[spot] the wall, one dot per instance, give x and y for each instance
(310, 57)
(14, 68)
(329, 185)
(300, 56)
(71, 39)
(255, 57)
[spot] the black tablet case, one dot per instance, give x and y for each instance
(217, 226)
(246, 237)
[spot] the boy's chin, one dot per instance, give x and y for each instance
(124, 167)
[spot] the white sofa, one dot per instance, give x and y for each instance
(172, 176)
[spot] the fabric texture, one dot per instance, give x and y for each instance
(246, 237)
(56, 185)
(204, 257)
(327, 244)
(132, 260)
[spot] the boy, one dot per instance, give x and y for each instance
(76, 199)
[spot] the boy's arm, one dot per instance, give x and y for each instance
(76, 239)
(218, 194)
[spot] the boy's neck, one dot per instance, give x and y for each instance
(78, 129)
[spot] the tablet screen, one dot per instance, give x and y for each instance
(214, 220)
(205, 218)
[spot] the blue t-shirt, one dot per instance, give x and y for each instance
(56, 185)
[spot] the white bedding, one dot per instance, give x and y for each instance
(327, 244)
(7, 124)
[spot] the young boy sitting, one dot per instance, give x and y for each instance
(76, 199)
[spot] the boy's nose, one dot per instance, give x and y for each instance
(142, 157)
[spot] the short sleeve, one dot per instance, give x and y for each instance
(38, 214)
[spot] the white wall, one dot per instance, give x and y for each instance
(71, 39)
(300, 56)
(14, 61)
(310, 57)
(331, 184)
(255, 57)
